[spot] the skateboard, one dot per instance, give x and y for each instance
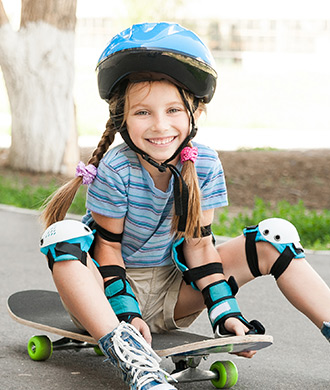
(43, 310)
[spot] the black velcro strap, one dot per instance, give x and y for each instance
(105, 234)
(112, 270)
(200, 272)
(251, 253)
(282, 263)
(233, 285)
(50, 260)
(206, 230)
(63, 248)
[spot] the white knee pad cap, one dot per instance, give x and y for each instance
(66, 240)
(64, 231)
(279, 231)
(281, 234)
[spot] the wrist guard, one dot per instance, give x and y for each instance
(221, 303)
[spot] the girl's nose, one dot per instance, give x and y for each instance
(160, 122)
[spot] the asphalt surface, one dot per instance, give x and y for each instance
(298, 359)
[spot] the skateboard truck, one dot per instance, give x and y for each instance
(186, 369)
(223, 374)
(68, 343)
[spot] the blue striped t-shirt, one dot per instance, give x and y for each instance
(124, 188)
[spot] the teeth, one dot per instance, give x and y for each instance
(161, 141)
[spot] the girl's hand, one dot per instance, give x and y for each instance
(235, 326)
(143, 328)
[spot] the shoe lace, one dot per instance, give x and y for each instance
(144, 362)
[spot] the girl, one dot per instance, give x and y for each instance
(150, 204)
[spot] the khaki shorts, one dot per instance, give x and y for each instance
(157, 290)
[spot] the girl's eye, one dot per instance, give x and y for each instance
(173, 110)
(141, 112)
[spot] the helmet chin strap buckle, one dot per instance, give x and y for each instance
(160, 167)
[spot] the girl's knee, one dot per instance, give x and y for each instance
(267, 256)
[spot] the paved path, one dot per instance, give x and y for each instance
(299, 358)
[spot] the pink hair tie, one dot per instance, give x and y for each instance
(88, 172)
(189, 153)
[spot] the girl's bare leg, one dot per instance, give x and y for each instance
(189, 302)
(81, 289)
(305, 289)
(300, 284)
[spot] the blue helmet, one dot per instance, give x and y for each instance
(165, 48)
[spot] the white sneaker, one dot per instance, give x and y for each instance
(139, 364)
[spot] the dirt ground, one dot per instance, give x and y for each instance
(270, 175)
(278, 175)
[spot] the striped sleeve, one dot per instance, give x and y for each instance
(211, 178)
(107, 194)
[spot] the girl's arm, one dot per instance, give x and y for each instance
(109, 253)
(201, 251)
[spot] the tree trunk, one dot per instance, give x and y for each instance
(38, 67)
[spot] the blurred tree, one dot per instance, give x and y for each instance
(37, 62)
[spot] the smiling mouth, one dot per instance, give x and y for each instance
(161, 141)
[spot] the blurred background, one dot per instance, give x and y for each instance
(273, 63)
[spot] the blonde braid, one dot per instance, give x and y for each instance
(58, 204)
(193, 225)
(106, 140)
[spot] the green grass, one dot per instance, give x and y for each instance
(22, 194)
(313, 226)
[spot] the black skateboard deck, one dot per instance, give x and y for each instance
(43, 310)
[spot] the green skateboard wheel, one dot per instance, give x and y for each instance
(98, 350)
(40, 348)
(227, 374)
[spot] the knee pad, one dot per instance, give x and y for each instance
(190, 276)
(282, 234)
(66, 240)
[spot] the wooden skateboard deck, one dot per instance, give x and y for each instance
(189, 344)
(43, 310)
